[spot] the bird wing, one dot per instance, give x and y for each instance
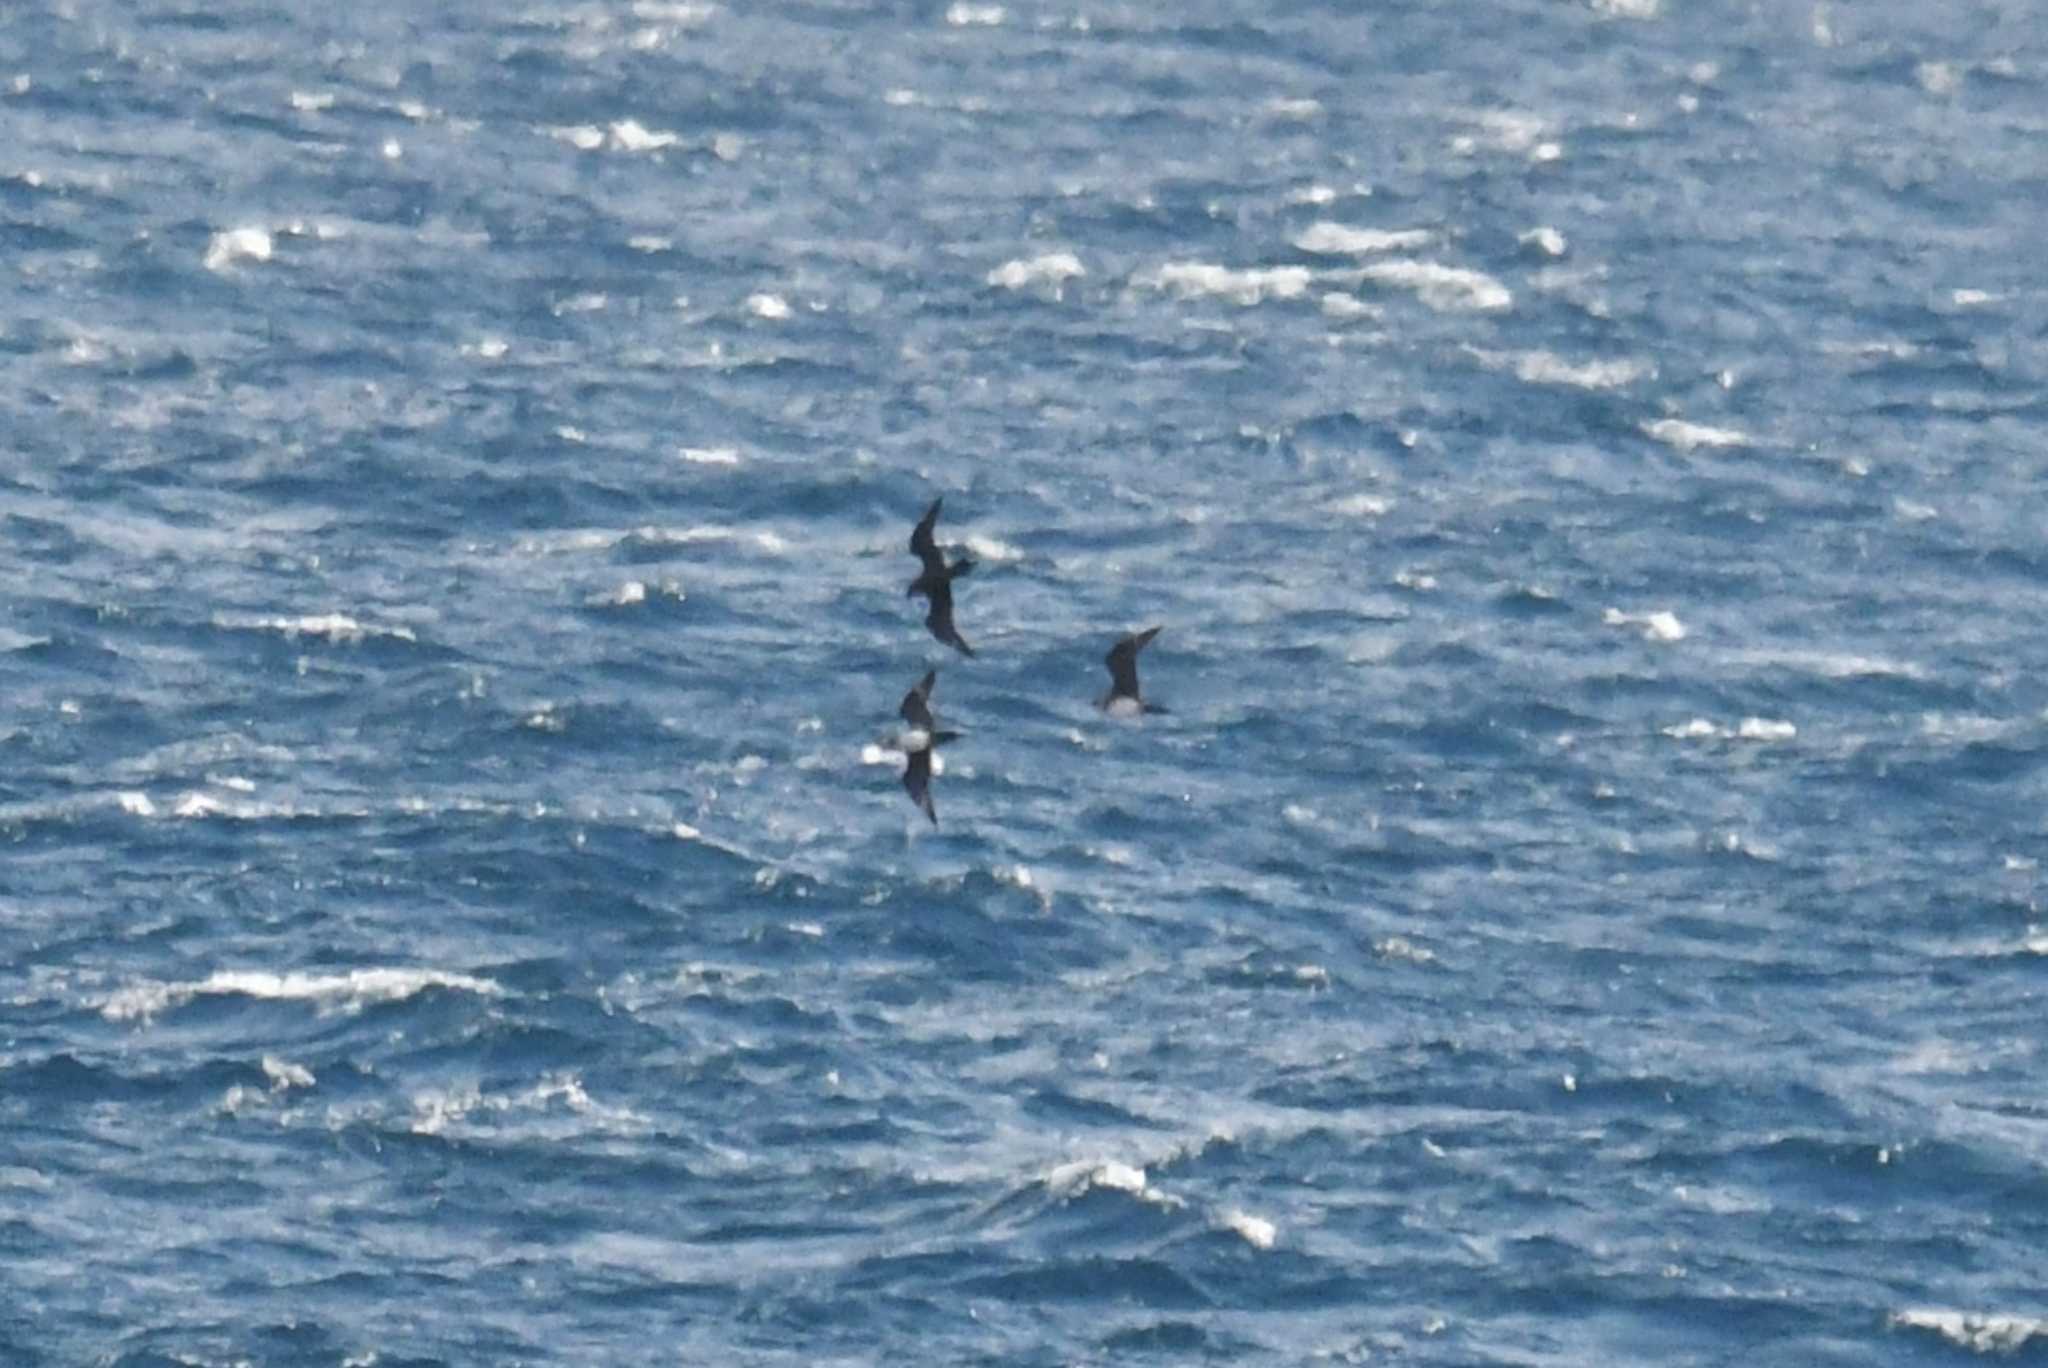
(917, 781)
(1122, 661)
(916, 709)
(922, 544)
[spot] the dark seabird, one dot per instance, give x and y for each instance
(1123, 698)
(935, 581)
(919, 744)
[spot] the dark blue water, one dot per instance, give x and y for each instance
(456, 900)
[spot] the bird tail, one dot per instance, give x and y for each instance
(959, 568)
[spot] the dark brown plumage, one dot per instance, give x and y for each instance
(1124, 696)
(935, 580)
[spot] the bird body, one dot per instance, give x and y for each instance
(920, 742)
(935, 580)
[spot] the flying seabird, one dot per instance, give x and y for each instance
(919, 744)
(1123, 698)
(935, 581)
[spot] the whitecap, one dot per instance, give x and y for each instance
(1300, 109)
(336, 627)
(1504, 130)
(1443, 287)
(769, 306)
(283, 1074)
(1832, 665)
(1938, 78)
(1312, 194)
(1662, 625)
(964, 15)
(347, 992)
(1256, 1231)
(1684, 436)
(1020, 877)
(1250, 286)
(1720, 1201)
(433, 1111)
(1545, 239)
(1072, 1179)
(1765, 729)
(1017, 876)
(991, 550)
(237, 244)
(1978, 1331)
(1362, 506)
(720, 456)
(689, 13)
(770, 542)
(1547, 368)
(1054, 269)
(630, 135)
(1401, 948)
(196, 804)
(1327, 238)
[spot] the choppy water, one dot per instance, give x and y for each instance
(457, 903)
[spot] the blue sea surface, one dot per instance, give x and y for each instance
(457, 900)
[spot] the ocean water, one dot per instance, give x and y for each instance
(457, 904)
